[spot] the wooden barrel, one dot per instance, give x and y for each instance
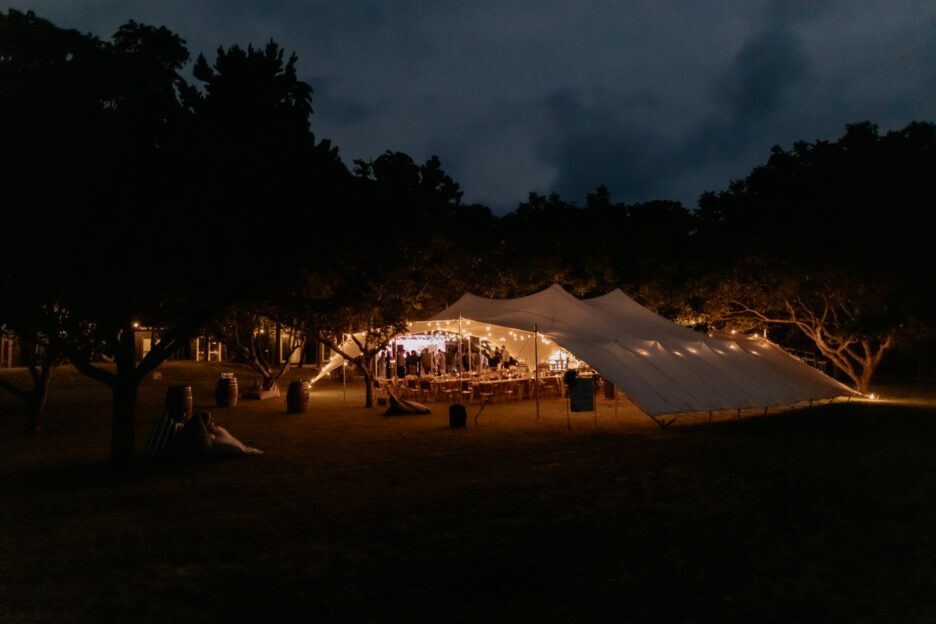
(458, 416)
(226, 391)
(179, 402)
(297, 397)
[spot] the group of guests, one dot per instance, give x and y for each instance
(441, 362)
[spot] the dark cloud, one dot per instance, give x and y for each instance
(599, 141)
(761, 74)
(654, 98)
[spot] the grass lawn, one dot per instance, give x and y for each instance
(821, 514)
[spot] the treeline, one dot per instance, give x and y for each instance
(133, 194)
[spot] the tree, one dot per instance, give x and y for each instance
(40, 359)
(254, 337)
(162, 183)
(830, 238)
(413, 245)
(852, 324)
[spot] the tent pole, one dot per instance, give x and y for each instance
(344, 379)
(459, 359)
(536, 367)
(595, 400)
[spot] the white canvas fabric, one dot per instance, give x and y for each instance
(662, 367)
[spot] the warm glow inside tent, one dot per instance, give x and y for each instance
(662, 367)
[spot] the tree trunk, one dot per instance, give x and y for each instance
(37, 399)
(864, 381)
(278, 354)
(123, 443)
(125, 384)
(365, 364)
(268, 381)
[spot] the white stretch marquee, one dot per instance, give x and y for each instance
(662, 367)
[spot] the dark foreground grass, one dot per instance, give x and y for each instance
(825, 514)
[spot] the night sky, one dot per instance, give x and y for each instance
(656, 99)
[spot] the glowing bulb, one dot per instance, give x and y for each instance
(136, 324)
(873, 397)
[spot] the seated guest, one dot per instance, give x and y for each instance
(201, 437)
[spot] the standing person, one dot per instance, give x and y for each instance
(401, 362)
(425, 362)
(494, 360)
(412, 363)
(439, 358)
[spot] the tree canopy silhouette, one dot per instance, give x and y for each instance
(167, 200)
(832, 238)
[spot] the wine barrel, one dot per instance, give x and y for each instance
(297, 397)
(458, 416)
(179, 402)
(226, 391)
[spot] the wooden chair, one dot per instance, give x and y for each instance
(467, 390)
(450, 389)
(510, 390)
(427, 391)
(410, 389)
(548, 387)
(485, 391)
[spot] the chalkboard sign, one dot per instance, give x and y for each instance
(582, 395)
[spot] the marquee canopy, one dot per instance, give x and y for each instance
(662, 367)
